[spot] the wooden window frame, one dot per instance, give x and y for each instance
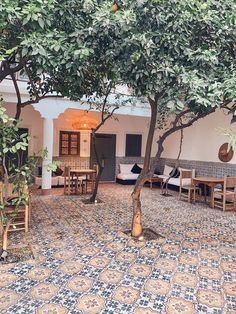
(126, 147)
(69, 133)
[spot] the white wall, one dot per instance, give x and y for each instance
(30, 119)
(202, 140)
(120, 126)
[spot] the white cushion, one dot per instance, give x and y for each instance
(126, 168)
(164, 177)
(175, 181)
(61, 180)
(127, 176)
(54, 181)
(167, 170)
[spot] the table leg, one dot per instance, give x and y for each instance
(93, 179)
(205, 193)
(212, 196)
(69, 185)
(86, 183)
(162, 185)
(194, 193)
(76, 184)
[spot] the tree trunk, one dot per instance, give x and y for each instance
(4, 239)
(100, 169)
(136, 230)
(137, 214)
(4, 235)
(98, 177)
(176, 162)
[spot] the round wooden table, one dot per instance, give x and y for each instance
(207, 181)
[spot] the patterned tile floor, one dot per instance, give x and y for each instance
(85, 264)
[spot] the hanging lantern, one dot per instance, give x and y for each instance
(84, 123)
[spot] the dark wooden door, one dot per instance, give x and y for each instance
(106, 148)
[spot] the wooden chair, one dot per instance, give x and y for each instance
(186, 191)
(70, 182)
(88, 183)
(20, 214)
(225, 198)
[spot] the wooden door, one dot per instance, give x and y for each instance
(106, 148)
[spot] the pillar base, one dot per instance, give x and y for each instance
(46, 192)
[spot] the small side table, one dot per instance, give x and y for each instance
(156, 179)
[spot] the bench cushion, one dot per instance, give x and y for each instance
(126, 168)
(167, 170)
(175, 181)
(127, 176)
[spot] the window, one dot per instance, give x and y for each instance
(69, 143)
(133, 145)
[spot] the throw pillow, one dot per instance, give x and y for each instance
(175, 173)
(136, 169)
(167, 170)
(58, 171)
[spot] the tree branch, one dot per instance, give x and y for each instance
(36, 94)
(106, 118)
(109, 87)
(30, 102)
(5, 71)
(172, 130)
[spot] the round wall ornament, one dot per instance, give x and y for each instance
(225, 154)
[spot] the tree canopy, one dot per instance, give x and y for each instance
(45, 40)
(179, 54)
(183, 50)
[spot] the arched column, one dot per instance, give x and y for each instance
(49, 109)
(48, 145)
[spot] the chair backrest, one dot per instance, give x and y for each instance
(185, 174)
(6, 191)
(67, 171)
(229, 182)
(95, 167)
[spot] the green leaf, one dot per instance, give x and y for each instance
(41, 22)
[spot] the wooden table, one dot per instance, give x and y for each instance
(155, 179)
(207, 181)
(81, 172)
